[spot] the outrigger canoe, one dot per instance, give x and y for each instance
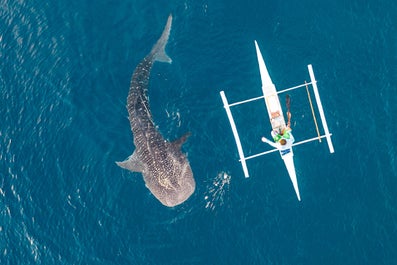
(276, 118)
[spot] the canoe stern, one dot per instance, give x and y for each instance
(288, 157)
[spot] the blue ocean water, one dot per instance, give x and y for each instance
(65, 72)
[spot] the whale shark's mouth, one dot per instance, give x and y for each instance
(180, 196)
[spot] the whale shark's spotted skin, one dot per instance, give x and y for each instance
(165, 169)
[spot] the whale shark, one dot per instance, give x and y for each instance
(165, 168)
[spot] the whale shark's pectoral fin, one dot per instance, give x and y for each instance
(132, 163)
(179, 142)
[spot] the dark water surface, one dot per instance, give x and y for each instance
(65, 72)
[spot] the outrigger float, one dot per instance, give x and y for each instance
(272, 101)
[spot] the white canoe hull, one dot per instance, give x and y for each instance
(289, 164)
(272, 101)
(276, 116)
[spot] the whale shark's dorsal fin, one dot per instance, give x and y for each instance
(158, 50)
(179, 142)
(132, 163)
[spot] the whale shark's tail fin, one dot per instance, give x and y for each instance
(158, 50)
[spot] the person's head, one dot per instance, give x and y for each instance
(283, 141)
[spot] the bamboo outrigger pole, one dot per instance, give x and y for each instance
(320, 108)
(235, 133)
(314, 115)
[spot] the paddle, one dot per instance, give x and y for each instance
(288, 104)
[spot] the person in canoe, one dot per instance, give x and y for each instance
(283, 138)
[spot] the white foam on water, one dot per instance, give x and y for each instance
(217, 191)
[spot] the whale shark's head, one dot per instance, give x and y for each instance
(185, 188)
(167, 175)
(174, 185)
